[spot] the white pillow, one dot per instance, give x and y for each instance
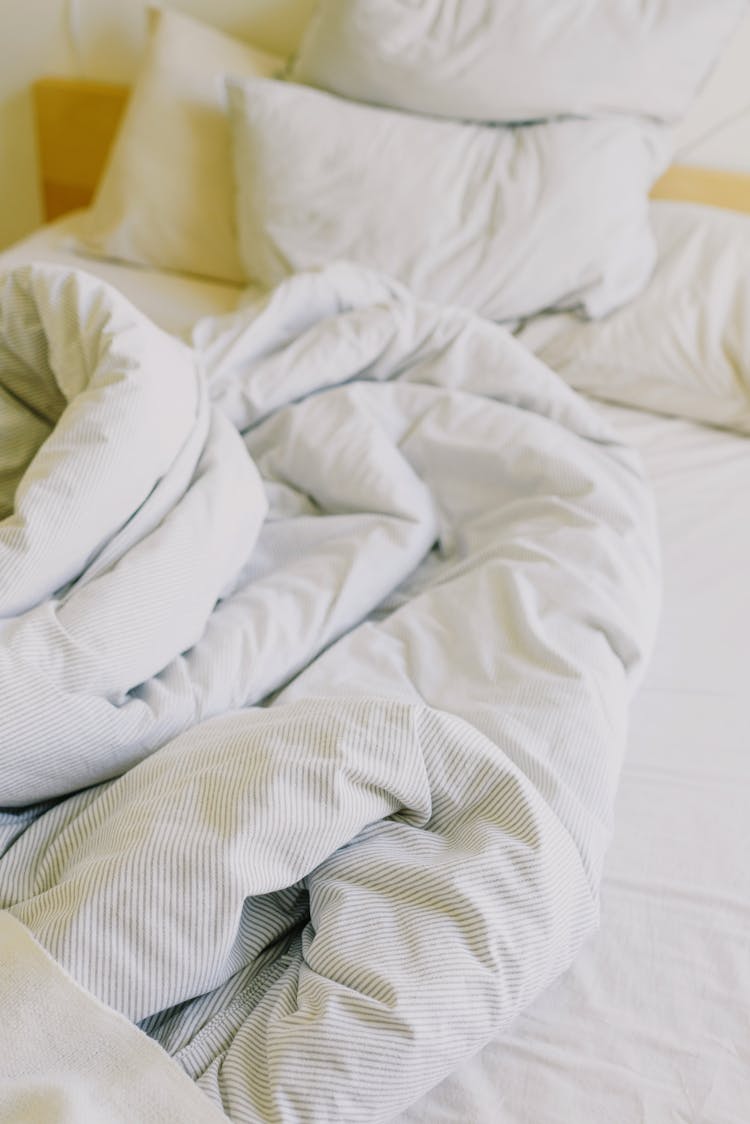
(681, 348)
(517, 60)
(167, 195)
(504, 221)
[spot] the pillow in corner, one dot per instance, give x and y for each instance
(166, 198)
(683, 347)
(518, 60)
(506, 221)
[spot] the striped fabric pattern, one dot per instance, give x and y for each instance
(368, 822)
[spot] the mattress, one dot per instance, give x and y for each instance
(651, 1022)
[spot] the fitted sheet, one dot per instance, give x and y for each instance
(172, 300)
(651, 1022)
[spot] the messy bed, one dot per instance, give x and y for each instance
(332, 644)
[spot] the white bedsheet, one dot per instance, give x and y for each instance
(651, 1022)
(172, 300)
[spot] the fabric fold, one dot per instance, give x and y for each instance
(89, 1063)
(358, 825)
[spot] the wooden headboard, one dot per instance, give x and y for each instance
(77, 120)
(704, 185)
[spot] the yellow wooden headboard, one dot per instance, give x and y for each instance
(704, 185)
(77, 120)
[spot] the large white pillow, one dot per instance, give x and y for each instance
(504, 221)
(167, 195)
(681, 348)
(517, 60)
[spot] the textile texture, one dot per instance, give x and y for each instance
(316, 648)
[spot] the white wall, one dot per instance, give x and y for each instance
(109, 34)
(104, 39)
(32, 42)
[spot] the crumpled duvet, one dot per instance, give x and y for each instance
(316, 646)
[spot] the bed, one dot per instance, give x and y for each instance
(649, 1022)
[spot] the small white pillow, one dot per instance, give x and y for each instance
(504, 221)
(167, 195)
(681, 348)
(517, 60)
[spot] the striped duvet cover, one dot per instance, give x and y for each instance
(316, 645)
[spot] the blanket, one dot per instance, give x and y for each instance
(317, 639)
